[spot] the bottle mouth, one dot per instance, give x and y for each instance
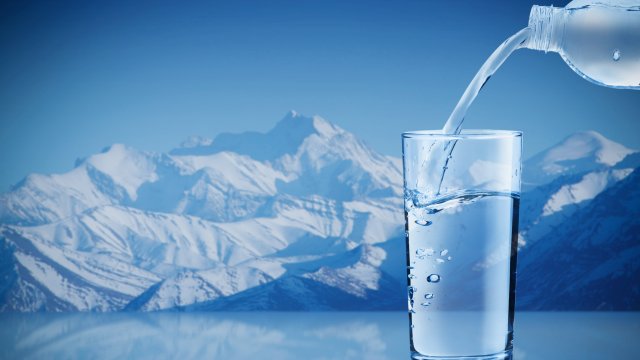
(547, 25)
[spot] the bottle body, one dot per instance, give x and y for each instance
(600, 41)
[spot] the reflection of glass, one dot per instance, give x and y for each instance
(462, 223)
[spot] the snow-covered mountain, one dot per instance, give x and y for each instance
(585, 151)
(566, 177)
(305, 216)
(591, 261)
(137, 230)
(580, 227)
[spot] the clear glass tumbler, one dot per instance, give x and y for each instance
(461, 196)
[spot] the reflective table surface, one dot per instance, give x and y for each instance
(293, 335)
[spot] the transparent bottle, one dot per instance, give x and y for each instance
(598, 39)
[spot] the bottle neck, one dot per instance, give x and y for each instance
(547, 28)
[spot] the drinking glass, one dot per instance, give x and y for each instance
(461, 198)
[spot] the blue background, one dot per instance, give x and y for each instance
(76, 76)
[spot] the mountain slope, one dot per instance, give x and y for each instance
(569, 175)
(39, 276)
(353, 281)
(591, 261)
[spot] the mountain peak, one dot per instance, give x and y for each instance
(284, 138)
(588, 144)
(126, 166)
(578, 152)
(295, 126)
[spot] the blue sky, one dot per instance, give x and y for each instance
(77, 76)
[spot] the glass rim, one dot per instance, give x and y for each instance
(464, 134)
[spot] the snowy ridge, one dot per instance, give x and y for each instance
(580, 152)
(569, 176)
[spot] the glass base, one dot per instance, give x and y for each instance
(505, 355)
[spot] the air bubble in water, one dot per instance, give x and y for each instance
(449, 258)
(411, 276)
(420, 252)
(428, 296)
(616, 55)
(429, 252)
(423, 222)
(426, 303)
(433, 278)
(439, 261)
(444, 252)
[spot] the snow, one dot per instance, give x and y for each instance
(325, 128)
(41, 199)
(188, 288)
(241, 172)
(580, 152)
(355, 279)
(127, 167)
(588, 143)
(81, 298)
(588, 188)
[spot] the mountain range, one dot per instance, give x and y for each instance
(303, 217)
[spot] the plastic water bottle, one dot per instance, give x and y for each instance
(598, 39)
